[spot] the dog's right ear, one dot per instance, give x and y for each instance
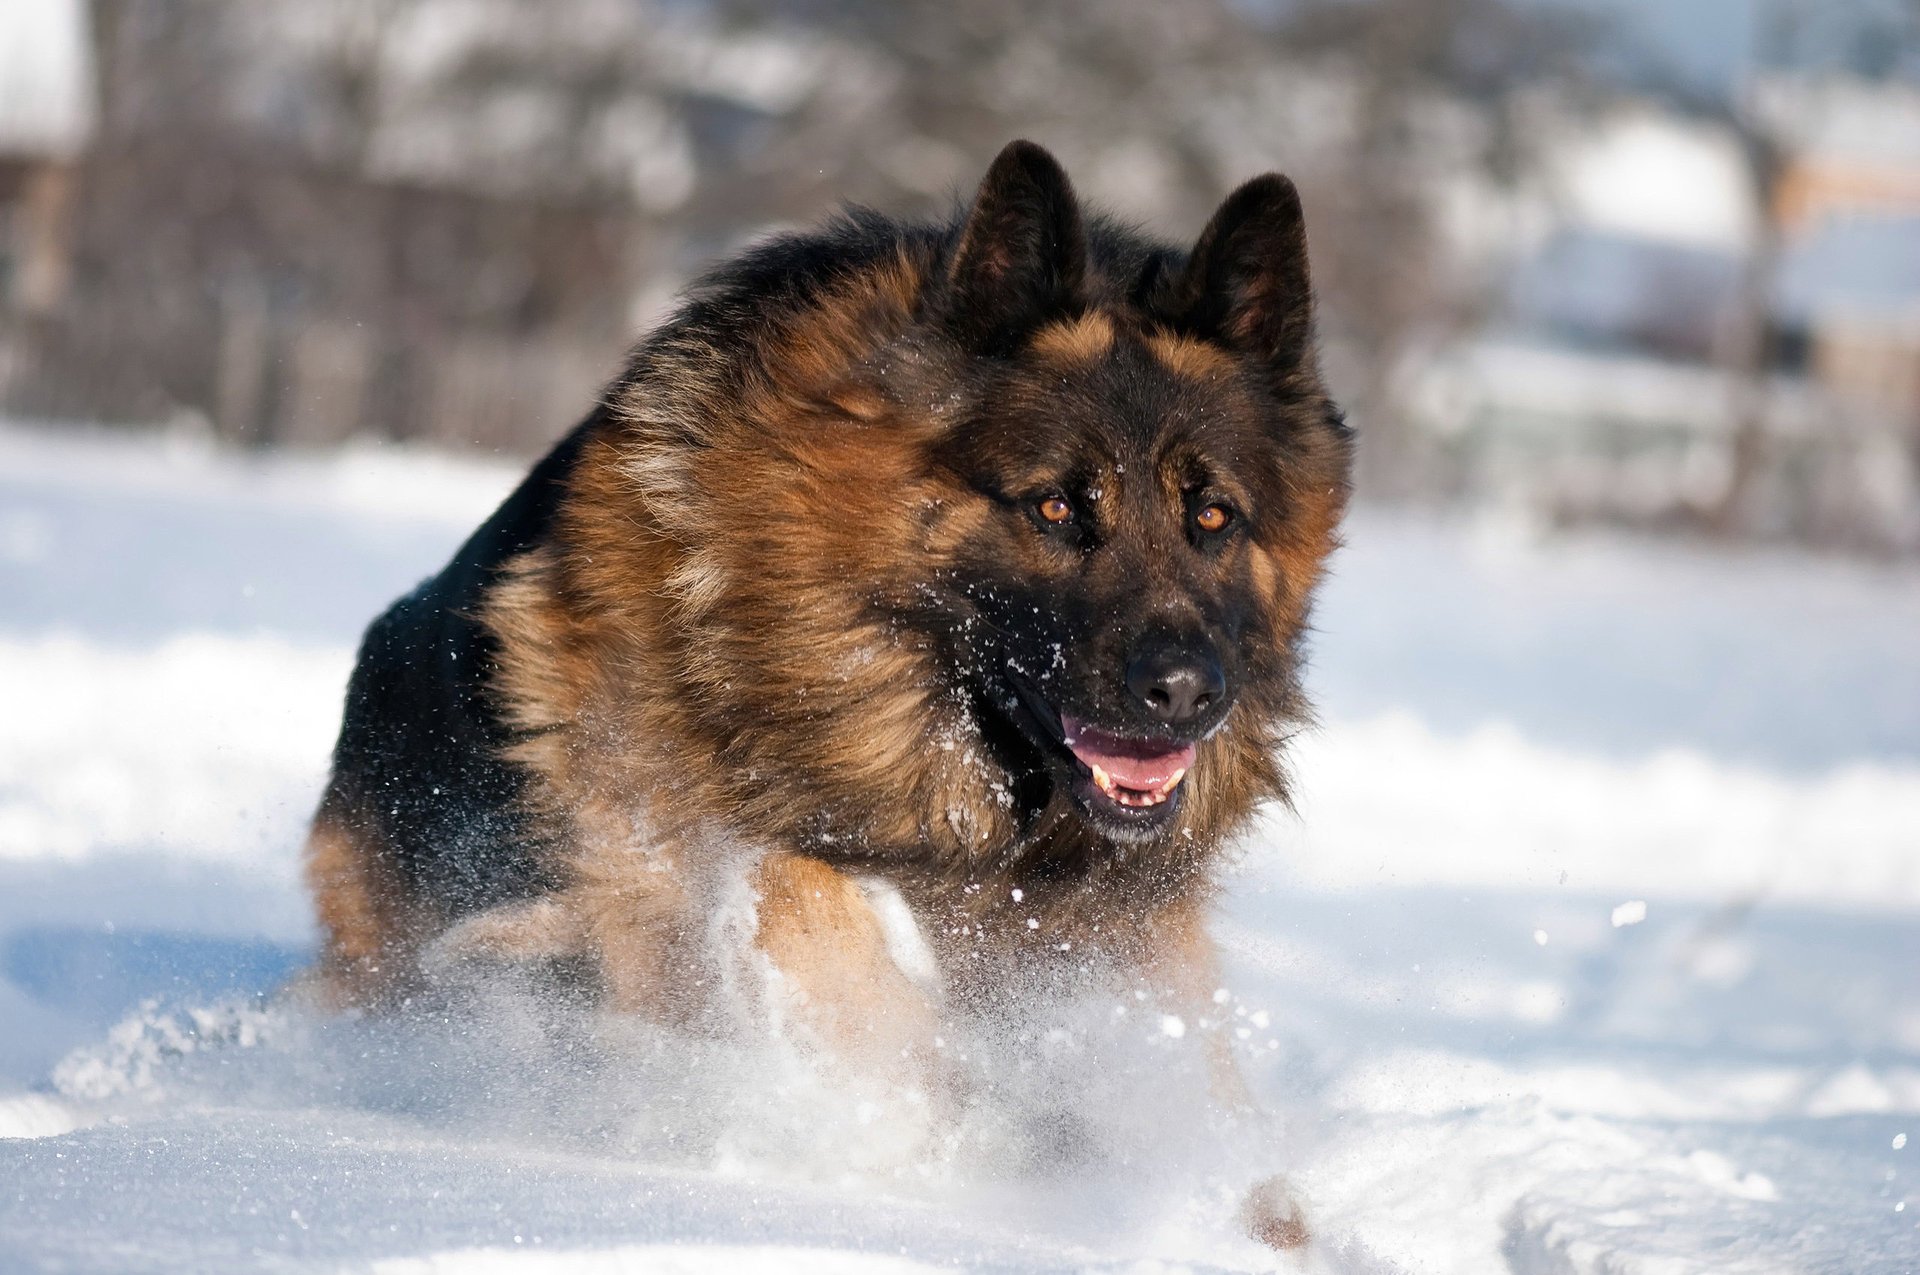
(1246, 280)
(1022, 255)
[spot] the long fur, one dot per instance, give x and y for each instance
(767, 595)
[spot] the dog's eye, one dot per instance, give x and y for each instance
(1055, 509)
(1211, 518)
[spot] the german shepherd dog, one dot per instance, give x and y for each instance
(958, 566)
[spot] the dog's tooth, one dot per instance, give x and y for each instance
(1173, 781)
(1102, 780)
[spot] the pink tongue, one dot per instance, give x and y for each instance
(1140, 764)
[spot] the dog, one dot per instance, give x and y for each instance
(959, 571)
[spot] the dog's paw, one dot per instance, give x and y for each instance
(1272, 1214)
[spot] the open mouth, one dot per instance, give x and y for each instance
(1128, 785)
(1130, 772)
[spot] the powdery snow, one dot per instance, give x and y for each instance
(1591, 947)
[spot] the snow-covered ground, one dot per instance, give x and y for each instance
(1594, 945)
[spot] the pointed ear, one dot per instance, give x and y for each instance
(1023, 252)
(1246, 283)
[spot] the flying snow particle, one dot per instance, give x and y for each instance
(1540, 937)
(1899, 1141)
(1019, 895)
(1632, 912)
(1173, 1025)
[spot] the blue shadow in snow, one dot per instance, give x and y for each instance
(87, 973)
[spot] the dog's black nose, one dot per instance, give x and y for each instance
(1175, 683)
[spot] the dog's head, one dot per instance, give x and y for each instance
(1009, 525)
(1153, 472)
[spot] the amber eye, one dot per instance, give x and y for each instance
(1055, 509)
(1213, 518)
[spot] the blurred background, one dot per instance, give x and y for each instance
(1618, 261)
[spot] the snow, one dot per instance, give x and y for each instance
(1591, 947)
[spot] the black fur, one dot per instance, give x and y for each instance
(419, 745)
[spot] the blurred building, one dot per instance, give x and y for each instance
(1652, 215)
(1610, 383)
(1849, 205)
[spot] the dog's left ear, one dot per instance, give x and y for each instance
(1023, 253)
(1246, 282)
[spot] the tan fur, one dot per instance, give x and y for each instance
(818, 928)
(643, 925)
(370, 929)
(1080, 340)
(542, 929)
(1271, 1215)
(1183, 356)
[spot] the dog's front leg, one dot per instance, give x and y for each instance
(839, 975)
(1184, 967)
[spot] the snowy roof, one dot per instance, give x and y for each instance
(46, 78)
